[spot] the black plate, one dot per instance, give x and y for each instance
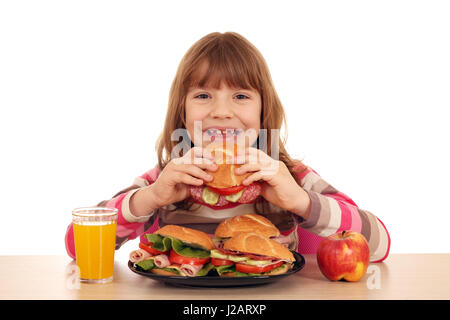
(216, 281)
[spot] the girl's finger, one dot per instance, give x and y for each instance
(205, 163)
(195, 172)
(252, 162)
(252, 178)
(252, 155)
(248, 167)
(195, 155)
(210, 167)
(261, 172)
(189, 180)
(195, 152)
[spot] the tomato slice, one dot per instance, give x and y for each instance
(176, 258)
(149, 248)
(246, 268)
(227, 191)
(221, 262)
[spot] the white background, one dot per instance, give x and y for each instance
(84, 88)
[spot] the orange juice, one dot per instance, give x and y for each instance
(94, 247)
(95, 240)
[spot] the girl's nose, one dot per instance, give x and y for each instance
(221, 109)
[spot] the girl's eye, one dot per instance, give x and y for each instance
(241, 96)
(202, 96)
(206, 96)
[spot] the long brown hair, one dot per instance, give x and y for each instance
(233, 59)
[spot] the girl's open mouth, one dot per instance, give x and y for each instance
(218, 135)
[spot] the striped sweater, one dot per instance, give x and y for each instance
(331, 211)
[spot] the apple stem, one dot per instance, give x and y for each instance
(343, 232)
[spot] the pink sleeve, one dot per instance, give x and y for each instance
(333, 211)
(128, 226)
(353, 218)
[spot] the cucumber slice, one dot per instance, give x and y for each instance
(216, 254)
(234, 197)
(210, 197)
(219, 255)
(258, 262)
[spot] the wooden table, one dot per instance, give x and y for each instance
(401, 276)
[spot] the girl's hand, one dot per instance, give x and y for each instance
(277, 184)
(174, 180)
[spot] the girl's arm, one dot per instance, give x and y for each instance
(332, 211)
(129, 225)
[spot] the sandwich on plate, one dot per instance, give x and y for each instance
(226, 186)
(250, 222)
(251, 254)
(175, 251)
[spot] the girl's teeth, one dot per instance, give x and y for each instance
(213, 132)
(217, 132)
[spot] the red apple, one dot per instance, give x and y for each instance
(343, 255)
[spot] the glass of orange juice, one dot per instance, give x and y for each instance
(95, 240)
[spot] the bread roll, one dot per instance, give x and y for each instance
(257, 244)
(250, 222)
(225, 176)
(187, 235)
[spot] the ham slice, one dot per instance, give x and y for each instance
(139, 255)
(218, 243)
(196, 192)
(251, 192)
(190, 270)
(243, 254)
(284, 240)
(161, 261)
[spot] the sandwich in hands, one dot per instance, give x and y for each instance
(250, 222)
(226, 187)
(175, 250)
(251, 254)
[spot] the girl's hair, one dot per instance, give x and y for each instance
(231, 59)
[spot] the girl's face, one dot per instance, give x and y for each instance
(224, 114)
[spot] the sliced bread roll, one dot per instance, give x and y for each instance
(187, 235)
(254, 243)
(250, 222)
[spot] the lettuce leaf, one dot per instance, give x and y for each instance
(186, 250)
(146, 264)
(205, 270)
(225, 269)
(159, 243)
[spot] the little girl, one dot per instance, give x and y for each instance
(224, 84)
